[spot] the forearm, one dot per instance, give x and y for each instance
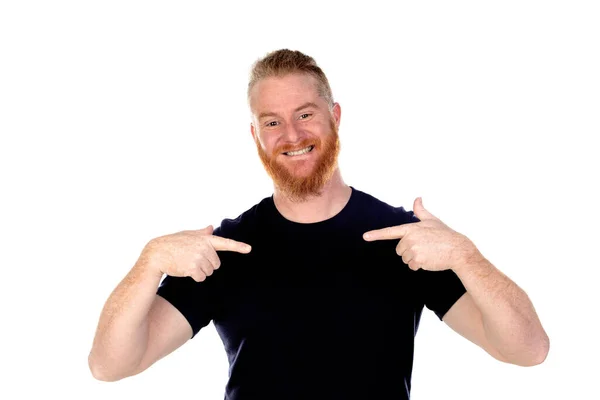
(509, 319)
(122, 333)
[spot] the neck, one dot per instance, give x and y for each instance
(334, 196)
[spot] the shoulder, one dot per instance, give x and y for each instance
(244, 224)
(375, 209)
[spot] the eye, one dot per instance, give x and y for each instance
(304, 116)
(272, 123)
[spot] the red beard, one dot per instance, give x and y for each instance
(298, 186)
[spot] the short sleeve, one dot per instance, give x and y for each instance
(195, 300)
(440, 290)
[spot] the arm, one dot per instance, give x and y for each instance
(136, 327)
(496, 314)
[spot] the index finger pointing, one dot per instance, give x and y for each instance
(391, 232)
(221, 243)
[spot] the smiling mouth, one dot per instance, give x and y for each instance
(300, 152)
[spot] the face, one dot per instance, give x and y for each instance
(295, 134)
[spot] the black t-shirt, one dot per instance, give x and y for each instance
(314, 311)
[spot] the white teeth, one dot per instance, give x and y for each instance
(297, 153)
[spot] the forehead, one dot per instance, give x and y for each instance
(275, 94)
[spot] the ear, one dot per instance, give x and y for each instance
(252, 131)
(337, 114)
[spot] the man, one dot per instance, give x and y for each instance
(317, 291)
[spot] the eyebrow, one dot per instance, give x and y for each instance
(303, 106)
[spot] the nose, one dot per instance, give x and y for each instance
(292, 134)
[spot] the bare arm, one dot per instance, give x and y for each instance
(497, 315)
(132, 315)
(138, 327)
(465, 318)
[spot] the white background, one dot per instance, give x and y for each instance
(122, 121)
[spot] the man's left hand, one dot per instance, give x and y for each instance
(429, 244)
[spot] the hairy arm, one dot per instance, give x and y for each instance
(497, 314)
(136, 327)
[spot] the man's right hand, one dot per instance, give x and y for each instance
(191, 253)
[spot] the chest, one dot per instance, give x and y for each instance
(316, 291)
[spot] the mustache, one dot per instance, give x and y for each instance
(284, 148)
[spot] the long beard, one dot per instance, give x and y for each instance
(297, 186)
